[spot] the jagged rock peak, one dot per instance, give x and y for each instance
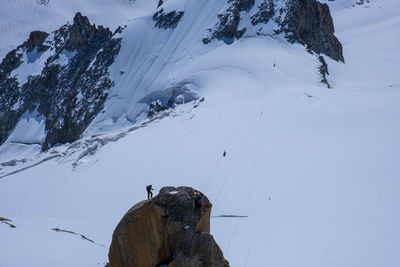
(81, 20)
(82, 33)
(168, 229)
(70, 85)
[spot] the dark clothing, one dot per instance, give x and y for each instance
(149, 193)
(224, 154)
(198, 197)
(197, 202)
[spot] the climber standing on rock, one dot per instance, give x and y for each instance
(149, 193)
(198, 197)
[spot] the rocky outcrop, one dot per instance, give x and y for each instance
(265, 12)
(7, 221)
(307, 22)
(168, 229)
(227, 27)
(71, 86)
(323, 70)
(35, 40)
(165, 20)
(43, 2)
(310, 23)
(197, 249)
(168, 98)
(360, 2)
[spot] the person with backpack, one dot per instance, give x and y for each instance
(197, 197)
(149, 193)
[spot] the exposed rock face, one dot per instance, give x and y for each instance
(307, 22)
(72, 85)
(198, 249)
(36, 39)
(227, 28)
(265, 12)
(323, 70)
(168, 229)
(310, 23)
(167, 20)
(43, 2)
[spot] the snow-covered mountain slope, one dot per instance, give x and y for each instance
(64, 75)
(315, 170)
(20, 17)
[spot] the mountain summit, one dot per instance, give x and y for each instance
(168, 230)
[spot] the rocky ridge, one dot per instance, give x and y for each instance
(307, 22)
(167, 230)
(227, 28)
(165, 20)
(69, 84)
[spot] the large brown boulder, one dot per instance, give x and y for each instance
(168, 229)
(198, 249)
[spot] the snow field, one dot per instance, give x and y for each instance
(316, 171)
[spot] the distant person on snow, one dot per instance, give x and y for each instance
(198, 197)
(224, 154)
(149, 193)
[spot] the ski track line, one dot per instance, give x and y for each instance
(273, 177)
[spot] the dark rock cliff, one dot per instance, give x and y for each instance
(168, 230)
(307, 22)
(165, 20)
(72, 85)
(227, 28)
(310, 23)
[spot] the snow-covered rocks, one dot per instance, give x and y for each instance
(167, 20)
(63, 76)
(161, 100)
(227, 29)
